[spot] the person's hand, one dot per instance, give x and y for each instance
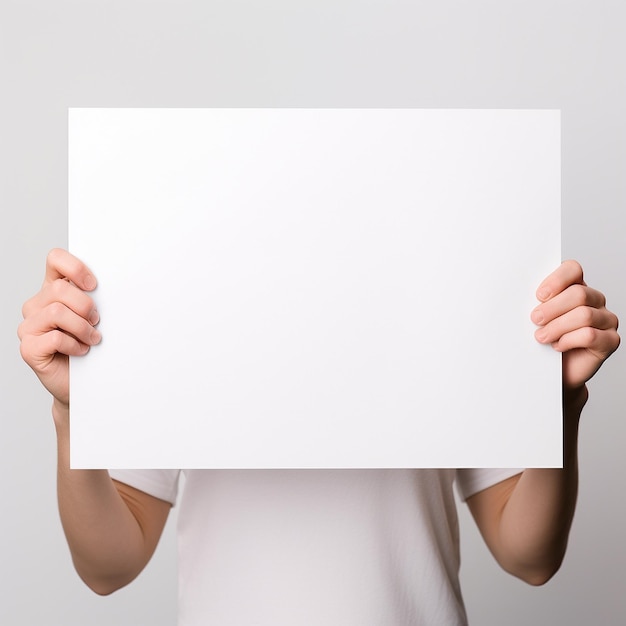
(574, 320)
(59, 321)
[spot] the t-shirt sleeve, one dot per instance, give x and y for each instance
(472, 480)
(160, 483)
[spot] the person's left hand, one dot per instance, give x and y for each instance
(573, 318)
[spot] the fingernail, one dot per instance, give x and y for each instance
(95, 336)
(541, 335)
(543, 293)
(536, 316)
(90, 282)
(94, 318)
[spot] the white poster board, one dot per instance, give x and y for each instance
(326, 288)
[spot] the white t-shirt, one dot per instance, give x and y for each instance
(318, 547)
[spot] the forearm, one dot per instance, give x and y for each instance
(536, 519)
(112, 529)
(104, 537)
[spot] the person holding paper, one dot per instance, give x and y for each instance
(315, 546)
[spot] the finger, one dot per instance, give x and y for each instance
(574, 296)
(580, 317)
(61, 264)
(568, 273)
(602, 343)
(56, 316)
(39, 350)
(66, 293)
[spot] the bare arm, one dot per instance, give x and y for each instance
(111, 528)
(526, 519)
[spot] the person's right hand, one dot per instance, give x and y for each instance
(59, 321)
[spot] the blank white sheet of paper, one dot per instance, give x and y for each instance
(315, 288)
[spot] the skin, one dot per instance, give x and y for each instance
(526, 519)
(112, 529)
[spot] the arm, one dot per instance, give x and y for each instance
(111, 528)
(526, 519)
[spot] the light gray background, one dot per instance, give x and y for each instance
(540, 53)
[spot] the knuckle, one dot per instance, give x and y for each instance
(26, 308)
(580, 295)
(587, 314)
(59, 258)
(58, 288)
(24, 351)
(575, 267)
(56, 340)
(54, 256)
(55, 310)
(27, 351)
(589, 335)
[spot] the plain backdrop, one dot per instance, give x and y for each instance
(567, 54)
